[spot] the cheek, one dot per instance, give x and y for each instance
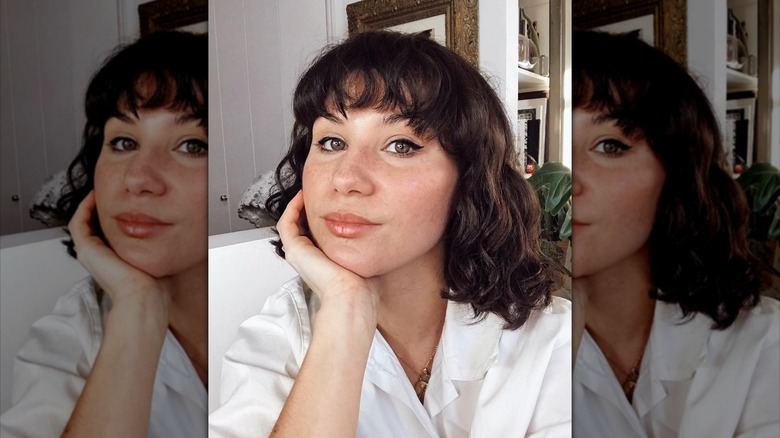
(311, 185)
(431, 199)
(103, 185)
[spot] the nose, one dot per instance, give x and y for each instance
(145, 174)
(354, 172)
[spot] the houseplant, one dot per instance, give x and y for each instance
(552, 183)
(761, 184)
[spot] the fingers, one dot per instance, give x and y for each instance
(81, 224)
(293, 228)
(323, 275)
(104, 265)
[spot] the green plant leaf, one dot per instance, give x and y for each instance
(557, 179)
(761, 183)
(565, 231)
(774, 227)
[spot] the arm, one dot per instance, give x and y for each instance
(51, 367)
(117, 397)
(325, 399)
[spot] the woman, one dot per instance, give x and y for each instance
(124, 352)
(424, 306)
(677, 341)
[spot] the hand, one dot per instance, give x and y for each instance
(122, 281)
(327, 279)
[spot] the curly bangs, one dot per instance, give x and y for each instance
(700, 257)
(162, 70)
(493, 258)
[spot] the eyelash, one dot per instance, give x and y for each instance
(202, 146)
(117, 141)
(619, 145)
(117, 145)
(325, 145)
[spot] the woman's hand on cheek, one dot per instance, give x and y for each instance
(326, 278)
(122, 281)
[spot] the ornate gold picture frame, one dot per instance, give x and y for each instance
(171, 14)
(460, 19)
(668, 18)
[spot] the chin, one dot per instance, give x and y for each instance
(150, 265)
(355, 262)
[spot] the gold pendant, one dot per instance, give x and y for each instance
(420, 388)
(630, 383)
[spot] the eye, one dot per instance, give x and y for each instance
(403, 147)
(332, 144)
(193, 146)
(123, 144)
(611, 147)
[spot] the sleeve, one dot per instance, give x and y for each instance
(51, 368)
(761, 412)
(527, 392)
(553, 413)
(260, 367)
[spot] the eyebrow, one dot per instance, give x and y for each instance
(603, 118)
(387, 120)
(181, 119)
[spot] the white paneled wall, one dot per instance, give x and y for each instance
(257, 51)
(49, 49)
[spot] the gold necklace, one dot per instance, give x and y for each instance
(632, 376)
(422, 380)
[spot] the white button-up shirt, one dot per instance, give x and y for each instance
(52, 367)
(485, 381)
(694, 381)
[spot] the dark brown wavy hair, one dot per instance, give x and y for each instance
(173, 65)
(493, 259)
(699, 246)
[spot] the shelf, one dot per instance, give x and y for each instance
(530, 81)
(738, 81)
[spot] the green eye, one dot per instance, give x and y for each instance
(194, 147)
(403, 147)
(611, 147)
(123, 144)
(332, 144)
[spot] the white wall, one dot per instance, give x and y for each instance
(257, 51)
(48, 51)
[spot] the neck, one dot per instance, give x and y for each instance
(619, 311)
(411, 309)
(188, 315)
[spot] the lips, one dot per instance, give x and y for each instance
(348, 225)
(139, 225)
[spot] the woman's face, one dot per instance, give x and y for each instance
(150, 190)
(617, 184)
(377, 196)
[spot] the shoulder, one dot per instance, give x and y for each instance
(759, 326)
(545, 338)
(77, 316)
(550, 325)
(284, 323)
(53, 364)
